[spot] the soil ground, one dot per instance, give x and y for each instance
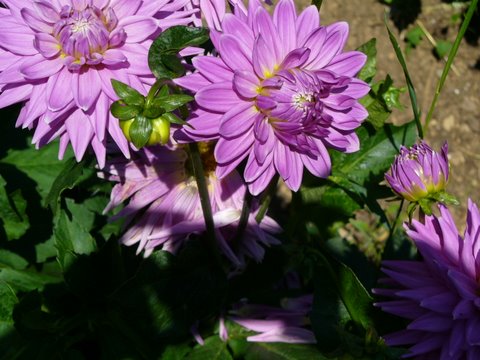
(457, 116)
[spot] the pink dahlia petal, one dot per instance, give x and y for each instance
(220, 96)
(216, 69)
(232, 25)
(276, 324)
(307, 22)
(35, 22)
(238, 120)
(284, 18)
(86, 87)
(138, 28)
(237, 55)
(13, 95)
(46, 45)
(348, 63)
(227, 151)
(80, 133)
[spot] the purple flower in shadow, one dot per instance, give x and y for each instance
(440, 293)
(165, 203)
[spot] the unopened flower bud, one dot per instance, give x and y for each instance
(419, 172)
(160, 132)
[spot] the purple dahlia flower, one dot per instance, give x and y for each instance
(280, 92)
(419, 171)
(164, 199)
(59, 57)
(440, 294)
(287, 324)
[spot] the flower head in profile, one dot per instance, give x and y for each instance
(163, 200)
(59, 57)
(280, 92)
(440, 294)
(287, 324)
(419, 172)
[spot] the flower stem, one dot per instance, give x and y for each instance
(242, 223)
(397, 218)
(451, 56)
(410, 87)
(197, 166)
(267, 198)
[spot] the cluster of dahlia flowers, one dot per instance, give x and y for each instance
(276, 93)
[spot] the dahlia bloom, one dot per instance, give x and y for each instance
(285, 324)
(59, 57)
(439, 294)
(280, 92)
(419, 171)
(163, 197)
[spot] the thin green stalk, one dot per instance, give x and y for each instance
(411, 88)
(395, 222)
(267, 198)
(451, 56)
(197, 166)
(242, 224)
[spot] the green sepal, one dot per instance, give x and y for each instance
(152, 111)
(140, 131)
(174, 119)
(426, 205)
(445, 198)
(128, 94)
(171, 102)
(124, 112)
(411, 210)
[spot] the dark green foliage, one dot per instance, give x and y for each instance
(163, 59)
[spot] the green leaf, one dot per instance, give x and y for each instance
(124, 112)
(376, 153)
(153, 111)
(9, 300)
(72, 237)
(414, 36)
(330, 199)
(175, 352)
(11, 260)
(171, 102)
(281, 351)
(27, 280)
(70, 175)
(127, 93)
(410, 87)
(162, 56)
(370, 68)
(41, 165)
(174, 119)
(213, 349)
(380, 101)
(140, 131)
(443, 48)
(13, 214)
(340, 299)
